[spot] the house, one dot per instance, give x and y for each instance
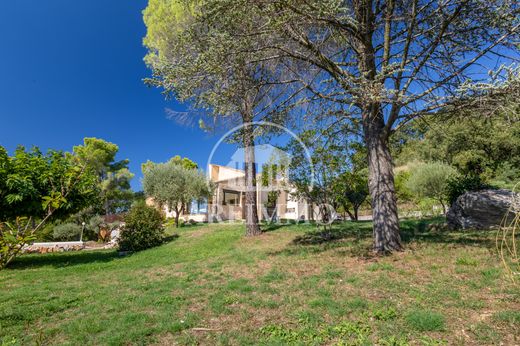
(274, 199)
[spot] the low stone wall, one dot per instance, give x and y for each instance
(54, 247)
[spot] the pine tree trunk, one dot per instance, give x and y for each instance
(380, 167)
(252, 224)
(381, 185)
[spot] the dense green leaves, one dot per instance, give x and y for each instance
(36, 188)
(488, 147)
(430, 180)
(34, 183)
(143, 228)
(113, 176)
(173, 186)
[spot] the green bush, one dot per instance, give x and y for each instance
(67, 232)
(457, 186)
(143, 229)
(430, 180)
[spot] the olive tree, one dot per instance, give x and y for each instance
(173, 186)
(430, 180)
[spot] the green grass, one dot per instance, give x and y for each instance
(291, 285)
(425, 320)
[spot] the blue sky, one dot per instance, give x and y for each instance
(74, 69)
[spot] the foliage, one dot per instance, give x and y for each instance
(356, 63)
(457, 186)
(351, 191)
(429, 207)
(113, 176)
(194, 58)
(143, 228)
(13, 237)
(94, 227)
(37, 188)
(67, 231)
(33, 183)
(314, 176)
(475, 145)
(174, 186)
(430, 180)
(404, 194)
(334, 174)
(176, 160)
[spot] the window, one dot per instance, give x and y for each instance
(231, 198)
(199, 207)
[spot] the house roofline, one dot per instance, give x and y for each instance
(227, 167)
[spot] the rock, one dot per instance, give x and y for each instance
(480, 209)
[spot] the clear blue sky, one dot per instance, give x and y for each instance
(74, 69)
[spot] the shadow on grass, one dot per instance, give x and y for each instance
(63, 259)
(72, 258)
(355, 238)
(432, 231)
(270, 227)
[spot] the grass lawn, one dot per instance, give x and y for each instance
(290, 285)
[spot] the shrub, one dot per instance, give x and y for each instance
(67, 232)
(430, 180)
(143, 228)
(425, 320)
(457, 186)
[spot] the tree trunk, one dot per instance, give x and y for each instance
(177, 215)
(356, 213)
(443, 206)
(350, 214)
(381, 184)
(380, 168)
(252, 224)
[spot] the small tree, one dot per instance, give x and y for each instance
(174, 186)
(430, 180)
(351, 191)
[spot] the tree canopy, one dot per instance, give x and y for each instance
(173, 186)
(113, 176)
(36, 188)
(474, 145)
